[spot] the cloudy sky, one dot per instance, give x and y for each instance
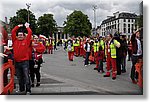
(61, 8)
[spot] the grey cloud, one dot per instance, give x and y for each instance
(61, 8)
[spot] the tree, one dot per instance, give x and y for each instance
(22, 17)
(46, 25)
(140, 21)
(77, 24)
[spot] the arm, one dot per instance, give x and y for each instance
(117, 44)
(40, 48)
(13, 32)
(28, 38)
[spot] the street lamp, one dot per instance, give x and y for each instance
(94, 9)
(28, 6)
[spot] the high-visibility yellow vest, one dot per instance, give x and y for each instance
(53, 43)
(47, 43)
(102, 44)
(112, 48)
(96, 47)
(77, 43)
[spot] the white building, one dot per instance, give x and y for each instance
(123, 23)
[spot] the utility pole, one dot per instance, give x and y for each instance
(28, 6)
(94, 9)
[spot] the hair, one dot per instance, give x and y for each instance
(21, 30)
(110, 35)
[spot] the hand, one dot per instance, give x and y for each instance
(27, 25)
(20, 25)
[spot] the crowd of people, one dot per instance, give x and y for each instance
(110, 49)
(26, 50)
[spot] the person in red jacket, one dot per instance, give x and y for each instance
(21, 56)
(39, 49)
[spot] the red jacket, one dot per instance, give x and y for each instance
(21, 47)
(40, 48)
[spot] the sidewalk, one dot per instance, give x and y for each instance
(51, 86)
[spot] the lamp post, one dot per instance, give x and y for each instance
(94, 9)
(28, 6)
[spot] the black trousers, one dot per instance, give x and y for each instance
(118, 64)
(35, 71)
(87, 58)
(134, 61)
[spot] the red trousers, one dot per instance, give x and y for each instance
(81, 51)
(76, 48)
(111, 62)
(50, 49)
(70, 55)
(96, 59)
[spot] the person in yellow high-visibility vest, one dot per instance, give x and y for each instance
(96, 51)
(110, 51)
(51, 42)
(101, 55)
(47, 45)
(76, 47)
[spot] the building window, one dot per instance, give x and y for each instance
(124, 20)
(128, 25)
(124, 30)
(132, 20)
(118, 20)
(128, 30)
(124, 25)
(132, 28)
(115, 26)
(128, 20)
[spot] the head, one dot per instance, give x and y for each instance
(21, 36)
(137, 34)
(109, 37)
(36, 39)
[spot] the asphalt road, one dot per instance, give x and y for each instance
(58, 67)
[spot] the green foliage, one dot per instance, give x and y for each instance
(46, 25)
(77, 24)
(22, 17)
(139, 21)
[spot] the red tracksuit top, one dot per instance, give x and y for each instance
(40, 48)
(21, 47)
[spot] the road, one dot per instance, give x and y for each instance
(58, 67)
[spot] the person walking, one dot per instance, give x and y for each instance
(39, 49)
(21, 56)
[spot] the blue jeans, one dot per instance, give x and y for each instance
(87, 58)
(22, 72)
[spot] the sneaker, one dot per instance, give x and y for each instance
(102, 71)
(107, 74)
(21, 92)
(134, 82)
(113, 76)
(38, 84)
(32, 85)
(123, 71)
(28, 93)
(85, 65)
(95, 68)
